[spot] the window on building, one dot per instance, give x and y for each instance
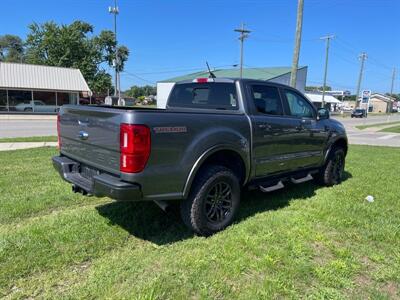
(3, 100)
(48, 98)
(66, 98)
(20, 100)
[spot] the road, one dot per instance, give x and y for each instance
(24, 128)
(370, 136)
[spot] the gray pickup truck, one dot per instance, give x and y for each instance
(215, 137)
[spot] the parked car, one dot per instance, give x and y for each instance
(215, 137)
(36, 106)
(358, 113)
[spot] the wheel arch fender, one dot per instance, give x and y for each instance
(207, 156)
(340, 141)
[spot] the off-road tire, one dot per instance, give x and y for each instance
(332, 171)
(196, 210)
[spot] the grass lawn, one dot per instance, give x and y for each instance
(301, 242)
(378, 125)
(395, 129)
(29, 139)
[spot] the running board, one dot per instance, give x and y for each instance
(301, 180)
(271, 188)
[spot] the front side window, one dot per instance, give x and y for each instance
(211, 95)
(298, 106)
(266, 99)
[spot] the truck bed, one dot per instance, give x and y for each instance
(91, 135)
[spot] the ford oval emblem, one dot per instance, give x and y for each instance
(83, 135)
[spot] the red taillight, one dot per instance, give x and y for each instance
(135, 145)
(58, 132)
(201, 80)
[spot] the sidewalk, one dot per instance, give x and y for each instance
(25, 145)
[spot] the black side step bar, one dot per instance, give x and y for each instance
(280, 185)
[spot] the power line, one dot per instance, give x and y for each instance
(139, 77)
(373, 60)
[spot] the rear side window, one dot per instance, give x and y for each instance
(267, 99)
(211, 95)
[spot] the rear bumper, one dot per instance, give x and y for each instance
(100, 185)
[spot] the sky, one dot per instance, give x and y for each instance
(168, 38)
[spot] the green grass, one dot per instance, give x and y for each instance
(29, 139)
(377, 125)
(301, 242)
(395, 129)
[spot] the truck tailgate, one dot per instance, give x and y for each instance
(91, 136)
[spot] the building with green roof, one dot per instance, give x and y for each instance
(274, 74)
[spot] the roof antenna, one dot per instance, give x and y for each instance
(212, 75)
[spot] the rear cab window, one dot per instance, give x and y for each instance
(208, 95)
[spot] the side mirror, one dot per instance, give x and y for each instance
(322, 114)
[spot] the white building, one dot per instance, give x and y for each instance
(330, 101)
(39, 89)
(276, 74)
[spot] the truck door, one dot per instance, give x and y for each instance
(308, 137)
(272, 133)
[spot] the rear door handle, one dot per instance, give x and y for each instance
(264, 126)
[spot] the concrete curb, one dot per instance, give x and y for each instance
(25, 145)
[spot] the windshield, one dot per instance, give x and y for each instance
(210, 95)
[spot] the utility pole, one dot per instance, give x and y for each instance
(244, 33)
(115, 11)
(362, 57)
(391, 89)
(328, 40)
(296, 52)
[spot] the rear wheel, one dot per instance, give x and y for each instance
(213, 201)
(332, 172)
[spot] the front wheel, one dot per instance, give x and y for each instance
(332, 172)
(213, 201)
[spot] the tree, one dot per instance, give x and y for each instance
(349, 98)
(75, 46)
(317, 88)
(11, 48)
(395, 96)
(138, 91)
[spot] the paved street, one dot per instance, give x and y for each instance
(369, 136)
(25, 128)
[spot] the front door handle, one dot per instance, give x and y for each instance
(302, 124)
